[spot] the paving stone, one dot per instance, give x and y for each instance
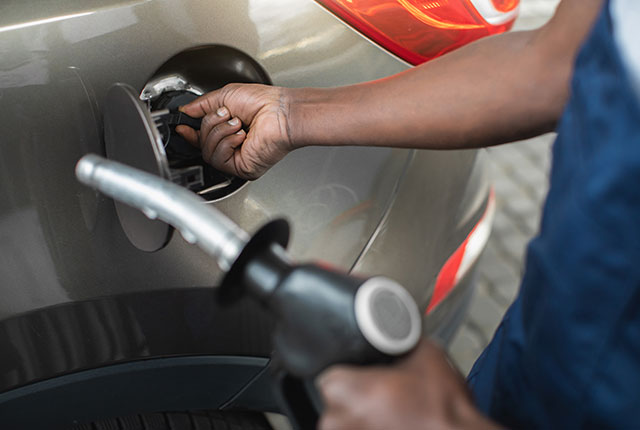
(528, 225)
(504, 189)
(464, 350)
(485, 313)
(495, 267)
(541, 193)
(533, 222)
(490, 258)
(539, 148)
(512, 158)
(498, 274)
(531, 175)
(503, 223)
(514, 249)
(521, 204)
(504, 293)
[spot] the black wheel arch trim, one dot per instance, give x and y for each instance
(164, 384)
(76, 336)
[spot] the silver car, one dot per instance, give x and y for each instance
(102, 328)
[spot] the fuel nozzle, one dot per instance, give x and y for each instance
(323, 316)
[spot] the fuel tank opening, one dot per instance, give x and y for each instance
(137, 135)
(186, 166)
(181, 79)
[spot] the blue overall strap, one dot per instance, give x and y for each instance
(567, 354)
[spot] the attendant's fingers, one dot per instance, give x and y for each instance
(430, 356)
(211, 121)
(335, 420)
(223, 156)
(203, 105)
(339, 385)
(189, 134)
(216, 134)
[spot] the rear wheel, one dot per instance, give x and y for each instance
(189, 420)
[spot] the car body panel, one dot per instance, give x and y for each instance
(77, 295)
(421, 246)
(54, 79)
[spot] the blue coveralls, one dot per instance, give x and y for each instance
(567, 353)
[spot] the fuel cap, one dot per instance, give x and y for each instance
(132, 138)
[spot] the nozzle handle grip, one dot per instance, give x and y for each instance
(175, 118)
(328, 317)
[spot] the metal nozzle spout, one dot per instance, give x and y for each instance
(198, 222)
(85, 168)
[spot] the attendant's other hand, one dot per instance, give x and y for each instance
(421, 391)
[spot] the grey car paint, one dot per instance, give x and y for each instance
(54, 77)
(61, 242)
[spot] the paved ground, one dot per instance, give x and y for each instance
(520, 175)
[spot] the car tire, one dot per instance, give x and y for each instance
(189, 420)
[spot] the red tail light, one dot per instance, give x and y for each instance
(458, 265)
(505, 5)
(420, 30)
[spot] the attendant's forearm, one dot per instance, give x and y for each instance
(483, 94)
(496, 90)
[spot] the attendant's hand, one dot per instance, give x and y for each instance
(421, 391)
(244, 129)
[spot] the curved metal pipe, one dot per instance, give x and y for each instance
(199, 223)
